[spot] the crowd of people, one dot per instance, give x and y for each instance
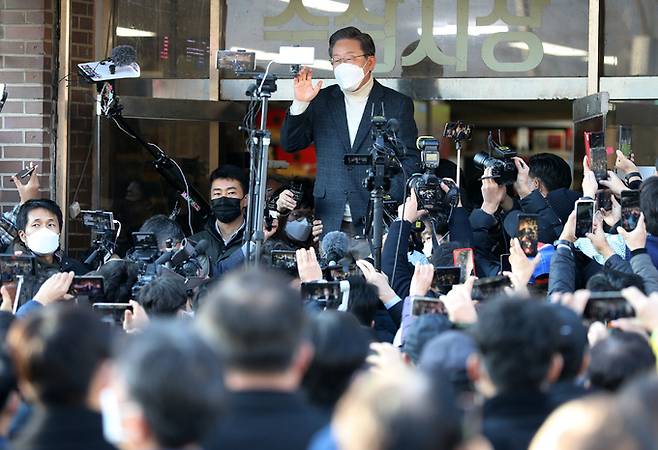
(559, 355)
(523, 321)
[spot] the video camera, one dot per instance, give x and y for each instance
(499, 159)
(429, 193)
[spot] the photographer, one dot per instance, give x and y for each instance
(168, 232)
(337, 120)
(296, 227)
(498, 208)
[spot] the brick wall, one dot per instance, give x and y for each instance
(26, 66)
(81, 122)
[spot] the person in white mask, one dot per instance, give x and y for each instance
(337, 120)
(39, 224)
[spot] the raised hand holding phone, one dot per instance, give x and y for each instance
(29, 190)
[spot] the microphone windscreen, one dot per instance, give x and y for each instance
(393, 125)
(334, 246)
(124, 55)
(201, 247)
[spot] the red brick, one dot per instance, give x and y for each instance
(86, 23)
(10, 167)
(27, 32)
(25, 62)
(9, 196)
(81, 37)
(40, 77)
(38, 107)
(38, 48)
(10, 137)
(27, 4)
(39, 17)
(20, 123)
(12, 48)
(12, 76)
(12, 107)
(29, 92)
(12, 17)
(25, 152)
(37, 137)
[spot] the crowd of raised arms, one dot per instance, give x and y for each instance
(528, 322)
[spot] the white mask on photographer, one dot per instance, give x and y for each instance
(349, 76)
(43, 242)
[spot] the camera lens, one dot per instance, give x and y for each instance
(482, 160)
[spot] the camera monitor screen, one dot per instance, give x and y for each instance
(12, 266)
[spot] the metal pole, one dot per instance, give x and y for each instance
(261, 180)
(378, 229)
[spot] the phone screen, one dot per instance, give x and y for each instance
(12, 266)
(445, 278)
(630, 209)
(604, 199)
(464, 259)
(584, 217)
(427, 305)
(607, 306)
(484, 288)
(599, 162)
(339, 273)
(505, 265)
(90, 289)
(528, 233)
(625, 137)
(326, 294)
(285, 260)
(112, 313)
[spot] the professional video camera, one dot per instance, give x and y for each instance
(499, 159)
(102, 225)
(151, 262)
(429, 193)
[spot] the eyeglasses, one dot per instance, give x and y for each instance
(348, 59)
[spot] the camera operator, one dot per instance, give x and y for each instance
(168, 232)
(337, 120)
(498, 208)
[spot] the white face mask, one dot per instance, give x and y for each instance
(43, 242)
(110, 409)
(349, 76)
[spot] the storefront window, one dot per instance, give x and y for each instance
(631, 38)
(172, 37)
(427, 38)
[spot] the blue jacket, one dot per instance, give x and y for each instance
(652, 248)
(325, 123)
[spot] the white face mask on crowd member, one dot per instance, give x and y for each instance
(41, 233)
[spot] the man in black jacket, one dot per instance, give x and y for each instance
(338, 120)
(225, 228)
(256, 321)
(518, 355)
(59, 354)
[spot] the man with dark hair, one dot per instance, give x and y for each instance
(337, 120)
(39, 224)
(163, 296)
(167, 392)
(9, 398)
(572, 345)
(165, 229)
(119, 277)
(552, 176)
(59, 354)
(517, 340)
(619, 358)
(363, 302)
(257, 323)
(649, 206)
(224, 231)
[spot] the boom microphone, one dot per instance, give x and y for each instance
(334, 246)
(123, 55)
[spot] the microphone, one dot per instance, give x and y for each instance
(334, 246)
(200, 248)
(393, 125)
(165, 257)
(122, 55)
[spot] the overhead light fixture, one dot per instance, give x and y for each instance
(562, 50)
(134, 32)
(324, 5)
(473, 30)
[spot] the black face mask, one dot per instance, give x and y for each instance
(226, 209)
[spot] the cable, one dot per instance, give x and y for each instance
(187, 189)
(267, 70)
